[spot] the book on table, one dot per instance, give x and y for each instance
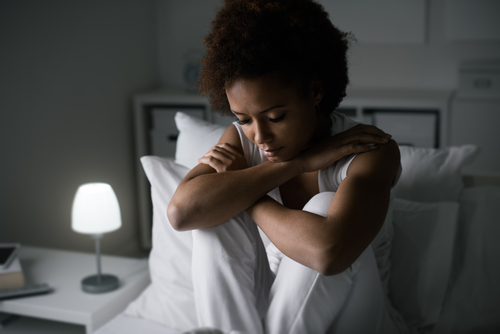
(13, 276)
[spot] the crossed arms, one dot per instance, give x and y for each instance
(222, 186)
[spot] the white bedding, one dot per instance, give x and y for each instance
(472, 301)
(125, 324)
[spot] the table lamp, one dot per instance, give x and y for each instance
(96, 211)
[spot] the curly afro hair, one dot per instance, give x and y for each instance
(294, 38)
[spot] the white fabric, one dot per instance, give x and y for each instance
(423, 245)
(169, 299)
(231, 276)
(431, 174)
(472, 303)
(126, 324)
(196, 137)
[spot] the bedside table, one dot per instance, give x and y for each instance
(63, 271)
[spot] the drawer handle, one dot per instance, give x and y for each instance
(172, 137)
(482, 83)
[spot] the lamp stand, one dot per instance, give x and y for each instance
(101, 282)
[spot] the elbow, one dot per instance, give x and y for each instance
(330, 264)
(175, 217)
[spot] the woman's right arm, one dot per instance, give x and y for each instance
(208, 197)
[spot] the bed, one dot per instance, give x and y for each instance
(440, 273)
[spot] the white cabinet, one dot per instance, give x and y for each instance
(63, 271)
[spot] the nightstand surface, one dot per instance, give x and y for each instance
(63, 271)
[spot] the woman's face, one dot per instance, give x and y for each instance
(276, 117)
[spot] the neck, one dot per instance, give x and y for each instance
(323, 128)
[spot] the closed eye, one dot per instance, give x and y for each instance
(276, 120)
(242, 122)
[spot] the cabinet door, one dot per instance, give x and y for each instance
(418, 129)
(476, 122)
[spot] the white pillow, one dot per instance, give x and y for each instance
(422, 249)
(196, 137)
(433, 175)
(169, 299)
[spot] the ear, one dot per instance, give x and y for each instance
(317, 91)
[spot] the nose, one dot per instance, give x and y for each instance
(262, 134)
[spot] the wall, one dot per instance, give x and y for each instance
(68, 73)
(182, 25)
(181, 28)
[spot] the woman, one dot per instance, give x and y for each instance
(316, 184)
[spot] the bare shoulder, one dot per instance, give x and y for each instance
(379, 165)
(231, 137)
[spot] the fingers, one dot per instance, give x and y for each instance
(228, 148)
(222, 152)
(219, 157)
(358, 148)
(212, 162)
(216, 154)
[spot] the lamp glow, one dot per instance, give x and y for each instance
(96, 211)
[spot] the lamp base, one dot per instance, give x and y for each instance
(96, 284)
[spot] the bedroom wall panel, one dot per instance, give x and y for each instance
(68, 72)
(406, 64)
(386, 22)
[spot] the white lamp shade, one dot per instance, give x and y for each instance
(95, 209)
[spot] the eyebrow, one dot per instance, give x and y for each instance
(263, 111)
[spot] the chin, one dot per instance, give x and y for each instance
(275, 159)
(281, 159)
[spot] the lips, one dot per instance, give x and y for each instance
(271, 153)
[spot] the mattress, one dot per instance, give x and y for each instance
(125, 324)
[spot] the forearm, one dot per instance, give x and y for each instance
(327, 244)
(302, 236)
(210, 199)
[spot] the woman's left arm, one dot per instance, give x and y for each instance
(331, 244)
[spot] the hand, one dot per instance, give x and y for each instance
(352, 141)
(224, 158)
